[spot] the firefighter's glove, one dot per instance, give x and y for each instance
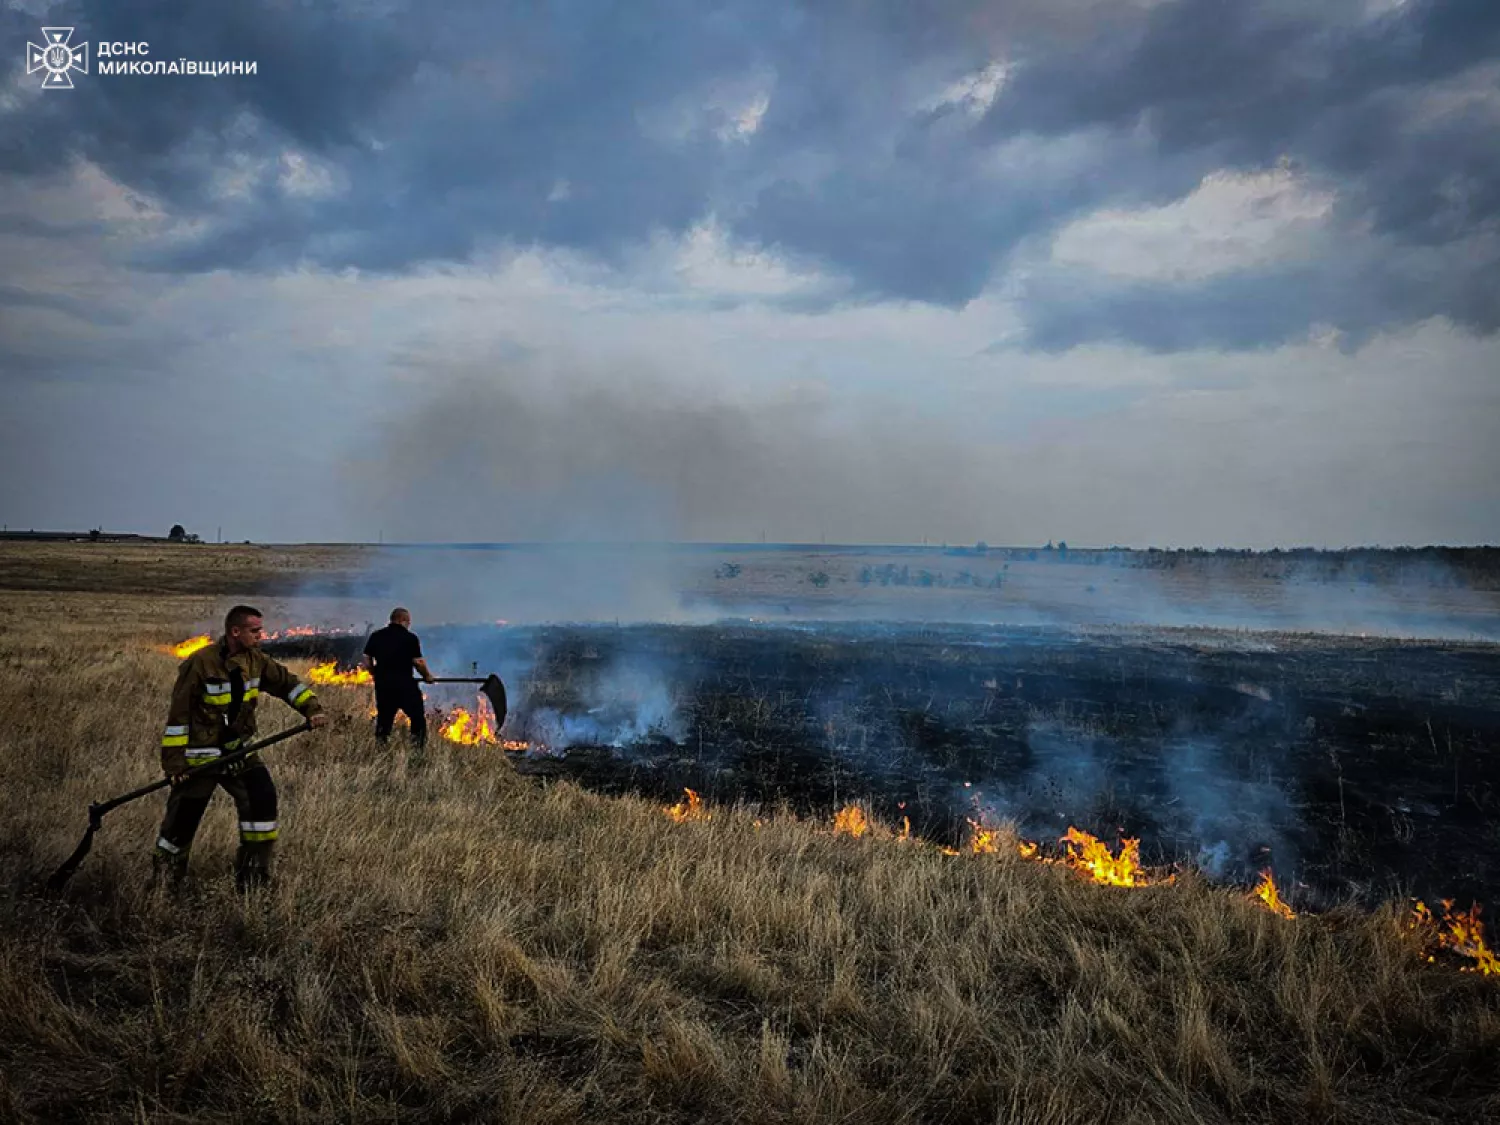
(240, 765)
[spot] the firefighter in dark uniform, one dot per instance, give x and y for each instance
(213, 713)
(391, 655)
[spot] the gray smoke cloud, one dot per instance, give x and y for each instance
(524, 455)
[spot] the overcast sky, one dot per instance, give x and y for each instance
(1171, 272)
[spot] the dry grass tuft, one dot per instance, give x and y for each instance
(452, 943)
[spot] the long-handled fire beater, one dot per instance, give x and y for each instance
(492, 688)
(97, 810)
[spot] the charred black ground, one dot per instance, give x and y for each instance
(1357, 768)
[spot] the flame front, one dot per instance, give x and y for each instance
(982, 840)
(849, 821)
(329, 673)
(1461, 933)
(1093, 858)
(690, 809)
(1267, 895)
(298, 631)
(184, 649)
(470, 729)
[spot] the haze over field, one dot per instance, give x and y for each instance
(1158, 272)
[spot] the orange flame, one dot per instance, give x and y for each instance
(297, 631)
(328, 673)
(1461, 933)
(1092, 857)
(184, 649)
(905, 829)
(691, 809)
(850, 821)
(982, 840)
(470, 730)
(1267, 895)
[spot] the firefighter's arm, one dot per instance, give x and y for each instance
(420, 664)
(179, 714)
(283, 683)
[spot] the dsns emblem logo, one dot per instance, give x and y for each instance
(57, 57)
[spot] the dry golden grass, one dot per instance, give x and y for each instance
(219, 570)
(455, 944)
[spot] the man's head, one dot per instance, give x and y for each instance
(243, 628)
(401, 617)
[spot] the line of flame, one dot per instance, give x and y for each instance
(1459, 932)
(328, 673)
(183, 649)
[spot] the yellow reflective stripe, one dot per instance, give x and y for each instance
(299, 695)
(218, 700)
(258, 837)
(175, 740)
(251, 693)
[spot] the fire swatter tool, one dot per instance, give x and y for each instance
(492, 688)
(96, 811)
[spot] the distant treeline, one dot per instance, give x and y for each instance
(95, 536)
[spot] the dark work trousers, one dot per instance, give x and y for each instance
(254, 795)
(407, 697)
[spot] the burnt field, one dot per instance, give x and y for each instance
(1355, 768)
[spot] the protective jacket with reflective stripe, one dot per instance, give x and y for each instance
(199, 725)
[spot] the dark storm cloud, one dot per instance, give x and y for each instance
(1260, 308)
(1351, 103)
(592, 127)
(322, 71)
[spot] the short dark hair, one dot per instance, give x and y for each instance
(239, 615)
(399, 613)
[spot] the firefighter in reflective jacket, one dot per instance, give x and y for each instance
(213, 713)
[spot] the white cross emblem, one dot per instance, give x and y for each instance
(57, 57)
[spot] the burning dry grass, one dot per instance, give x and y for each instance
(455, 944)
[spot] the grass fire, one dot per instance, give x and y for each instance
(734, 873)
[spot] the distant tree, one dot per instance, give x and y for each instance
(94, 535)
(178, 533)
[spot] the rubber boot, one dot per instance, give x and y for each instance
(252, 866)
(169, 870)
